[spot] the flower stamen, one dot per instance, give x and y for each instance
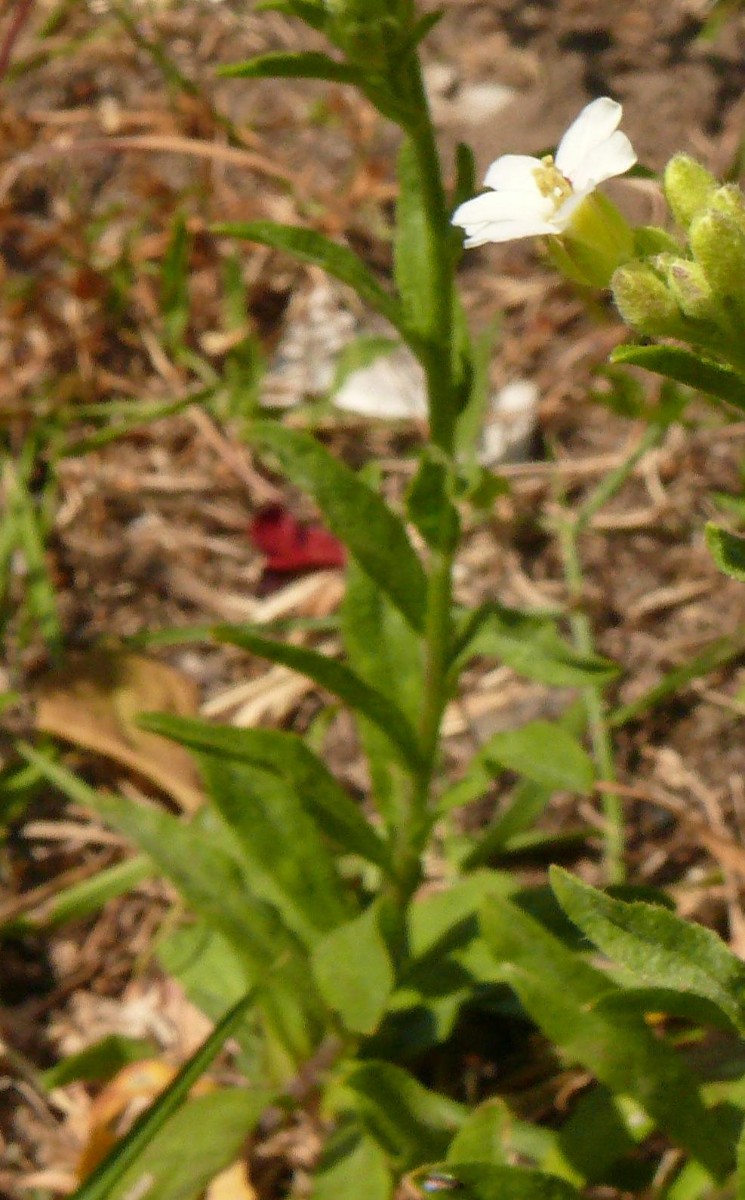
(551, 183)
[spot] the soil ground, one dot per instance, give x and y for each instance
(102, 143)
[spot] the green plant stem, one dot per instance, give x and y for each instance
(437, 362)
(570, 532)
(415, 828)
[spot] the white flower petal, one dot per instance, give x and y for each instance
(508, 230)
(500, 206)
(513, 172)
(594, 125)
(613, 157)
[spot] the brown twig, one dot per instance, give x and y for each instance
(21, 16)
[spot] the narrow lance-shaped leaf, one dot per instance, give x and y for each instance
(354, 972)
(657, 945)
(543, 752)
(336, 814)
(100, 1185)
(335, 259)
(286, 861)
(308, 64)
(567, 999)
(212, 883)
(685, 367)
(381, 646)
(354, 512)
(336, 678)
(312, 12)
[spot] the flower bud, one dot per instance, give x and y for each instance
(688, 284)
(718, 245)
(645, 302)
(688, 187)
(730, 201)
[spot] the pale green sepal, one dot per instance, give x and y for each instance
(597, 241)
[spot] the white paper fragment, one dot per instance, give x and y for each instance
(390, 388)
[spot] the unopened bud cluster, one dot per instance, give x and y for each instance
(693, 292)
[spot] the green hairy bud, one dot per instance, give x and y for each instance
(688, 187)
(645, 302)
(689, 285)
(718, 245)
(730, 201)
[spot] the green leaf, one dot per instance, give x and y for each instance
(310, 11)
(286, 861)
(174, 285)
(658, 946)
(543, 752)
(485, 1135)
(98, 1062)
(413, 256)
(531, 645)
(335, 259)
(381, 646)
(410, 1122)
(354, 972)
(561, 993)
(716, 654)
(323, 798)
(688, 368)
(211, 881)
(336, 678)
(492, 1181)
(81, 899)
(682, 1005)
(375, 536)
(386, 653)
(465, 177)
(41, 599)
(121, 1169)
(527, 802)
(211, 970)
(199, 1142)
(349, 1157)
(727, 550)
(596, 1135)
(307, 64)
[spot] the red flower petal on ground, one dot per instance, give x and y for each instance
(290, 545)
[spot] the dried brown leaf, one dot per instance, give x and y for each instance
(94, 701)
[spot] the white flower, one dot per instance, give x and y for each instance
(533, 196)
